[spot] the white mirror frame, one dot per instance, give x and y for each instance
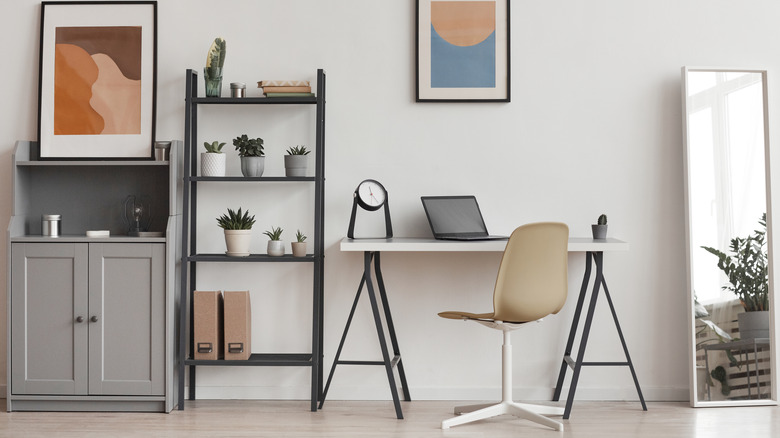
(774, 356)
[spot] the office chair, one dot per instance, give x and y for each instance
(531, 284)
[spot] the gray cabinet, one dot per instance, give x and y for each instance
(87, 318)
(92, 320)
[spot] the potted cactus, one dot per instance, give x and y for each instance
(600, 227)
(212, 162)
(295, 161)
(238, 231)
(299, 247)
(275, 245)
(252, 155)
(212, 73)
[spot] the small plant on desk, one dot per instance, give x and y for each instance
(600, 228)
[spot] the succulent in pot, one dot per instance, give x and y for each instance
(238, 231)
(299, 246)
(212, 162)
(275, 245)
(295, 161)
(252, 155)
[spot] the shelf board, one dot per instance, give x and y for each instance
(253, 100)
(250, 258)
(259, 359)
(252, 178)
(65, 163)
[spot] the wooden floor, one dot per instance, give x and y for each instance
(251, 418)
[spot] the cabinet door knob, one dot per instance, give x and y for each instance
(79, 319)
(94, 319)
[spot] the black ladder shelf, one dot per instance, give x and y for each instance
(190, 257)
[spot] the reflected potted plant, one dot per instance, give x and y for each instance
(295, 161)
(238, 232)
(252, 155)
(275, 245)
(299, 247)
(748, 277)
(212, 162)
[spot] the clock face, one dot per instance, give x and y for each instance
(371, 195)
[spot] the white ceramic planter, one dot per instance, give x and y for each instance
(252, 166)
(237, 242)
(212, 164)
(298, 249)
(275, 248)
(295, 165)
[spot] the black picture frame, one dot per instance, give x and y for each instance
(438, 58)
(86, 49)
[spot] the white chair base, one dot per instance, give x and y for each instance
(535, 413)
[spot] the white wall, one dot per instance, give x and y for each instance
(594, 127)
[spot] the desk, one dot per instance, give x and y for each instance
(372, 248)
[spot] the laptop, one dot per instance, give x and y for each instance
(456, 218)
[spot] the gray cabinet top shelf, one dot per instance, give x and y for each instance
(93, 163)
(81, 238)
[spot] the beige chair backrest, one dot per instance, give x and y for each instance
(533, 276)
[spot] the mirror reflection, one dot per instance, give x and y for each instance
(728, 267)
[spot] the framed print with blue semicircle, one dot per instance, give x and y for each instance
(463, 51)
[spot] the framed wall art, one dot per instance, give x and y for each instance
(97, 89)
(463, 51)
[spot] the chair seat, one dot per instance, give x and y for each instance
(456, 314)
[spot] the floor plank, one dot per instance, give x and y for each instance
(343, 419)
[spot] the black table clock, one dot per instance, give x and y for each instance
(370, 195)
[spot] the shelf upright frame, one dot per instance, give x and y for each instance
(191, 257)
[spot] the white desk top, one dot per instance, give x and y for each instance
(413, 244)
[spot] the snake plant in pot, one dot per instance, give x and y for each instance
(238, 231)
(252, 155)
(748, 275)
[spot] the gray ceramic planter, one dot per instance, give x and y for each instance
(295, 165)
(599, 231)
(252, 166)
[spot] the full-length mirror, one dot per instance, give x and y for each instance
(726, 146)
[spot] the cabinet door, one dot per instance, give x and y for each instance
(48, 294)
(127, 318)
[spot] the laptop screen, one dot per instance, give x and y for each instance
(453, 214)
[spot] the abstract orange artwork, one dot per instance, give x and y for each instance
(97, 80)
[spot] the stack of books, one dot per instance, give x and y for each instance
(286, 88)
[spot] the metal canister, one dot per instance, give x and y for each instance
(51, 225)
(237, 89)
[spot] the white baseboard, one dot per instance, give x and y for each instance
(428, 393)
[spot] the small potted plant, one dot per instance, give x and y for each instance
(252, 155)
(275, 245)
(212, 73)
(212, 162)
(295, 161)
(299, 247)
(238, 231)
(600, 228)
